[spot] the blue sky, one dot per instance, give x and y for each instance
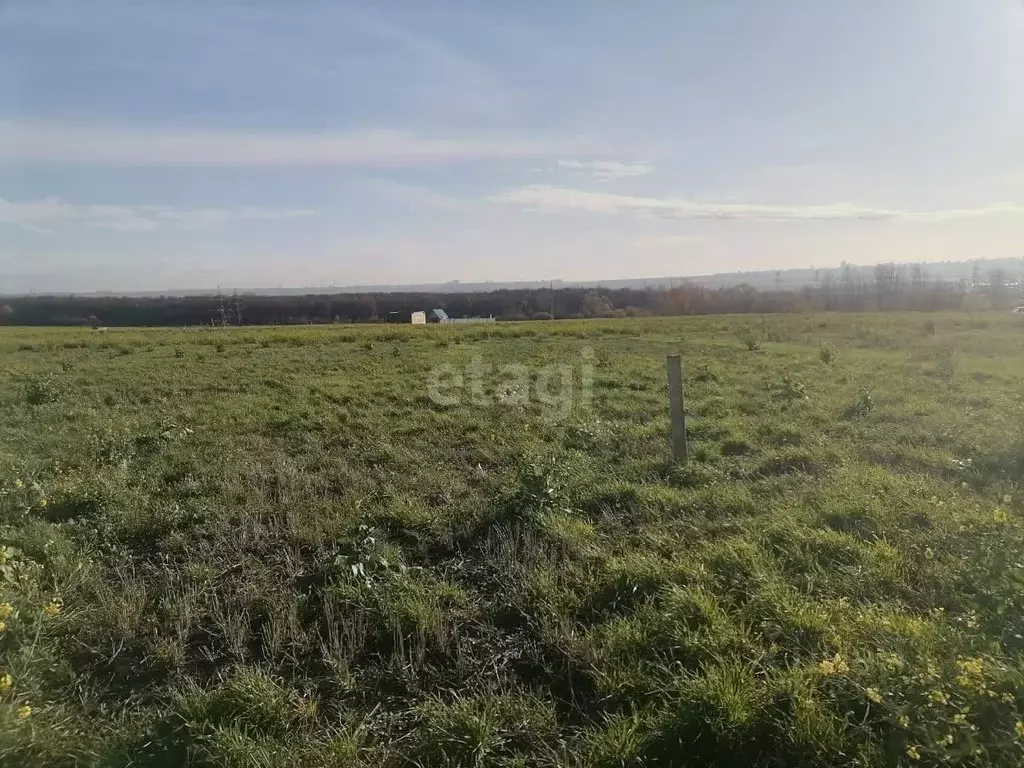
(148, 145)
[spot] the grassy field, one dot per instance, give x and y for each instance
(310, 546)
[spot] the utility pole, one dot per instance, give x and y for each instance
(551, 290)
(222, 310)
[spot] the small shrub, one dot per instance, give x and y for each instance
(363, 558)
(539, 491)
(862, 406)
(179, 353)
(945, 362)
(791, 390)
(752, 344)
(219, 346)
(39, 391)
(366, 345)
(704, 373)
(827, 354)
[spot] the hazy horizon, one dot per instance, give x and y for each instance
(144, 146)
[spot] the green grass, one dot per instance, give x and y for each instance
(267, 547)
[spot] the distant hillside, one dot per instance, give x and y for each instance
(991, 285)
(970, 272)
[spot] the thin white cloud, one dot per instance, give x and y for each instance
(545, 198)
(42, 215)
(608, 170)
(98, 145)
(415, 197)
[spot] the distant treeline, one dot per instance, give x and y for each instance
(892, 288)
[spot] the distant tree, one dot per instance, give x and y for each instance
(975, 273)
(850, 279)
(236, 308)
(220, 311)
(596, 305)
(917, 277)
(886, 284)
(828, 289)
(998, 290)
(839, 289)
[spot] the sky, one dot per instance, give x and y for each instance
(148, 145)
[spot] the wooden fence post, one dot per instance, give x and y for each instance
(677, 408)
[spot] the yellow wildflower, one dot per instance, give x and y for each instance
(971, 666)
(913, 752)
(1000, 516)
(6, 609)
(1019, 728)
(19, 484)
(874, 695)
(834, 666)
(52, 608)
(1007, 698)
(24, 711)
(1007, 499)
(904, 721)
(959, 719)
(892, 661)
(946, 740)
(938, 697)
(42, 502)
(6, 681)
(3, 626)
(929, 554)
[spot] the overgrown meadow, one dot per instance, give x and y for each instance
(276, 547)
